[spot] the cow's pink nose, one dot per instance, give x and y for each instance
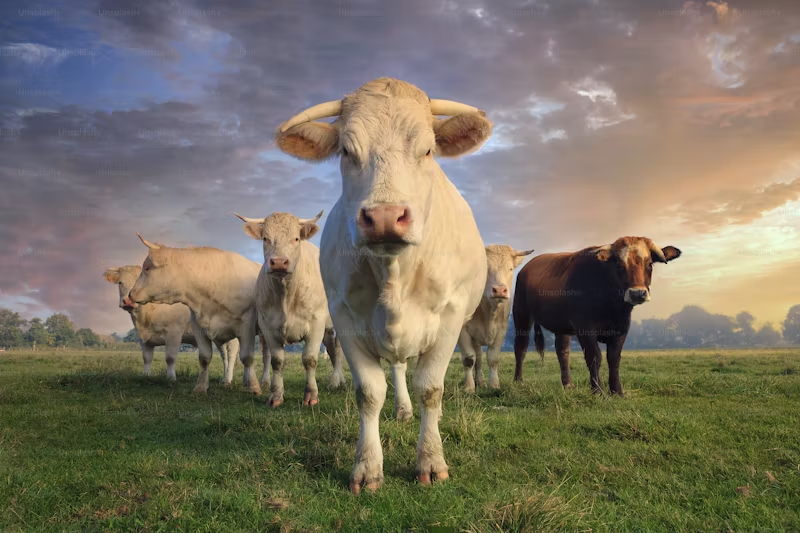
(384, 222)
(499, 291)
(279, 264)
(127, 303)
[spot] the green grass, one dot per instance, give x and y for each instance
(703, 441)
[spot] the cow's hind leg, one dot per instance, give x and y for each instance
(171, 348)
(468, 357)
(562, 350)
(266, 359)
(493, 359)
(593, 356)
(204, 351)
(614, 356)
(334, 349)
(402, 401)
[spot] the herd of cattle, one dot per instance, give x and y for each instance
(401, 272)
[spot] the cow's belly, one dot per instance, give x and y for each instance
(286, 329)
(218, 328)
(483, 333)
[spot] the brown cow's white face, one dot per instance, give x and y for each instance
(124, 277)
(502, 261)
(633, 258)
(281, 234)
(387, 137)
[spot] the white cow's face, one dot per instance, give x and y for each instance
(387, 138)
(501, 261)
(158, 280)
(281, 234)
(124, 278)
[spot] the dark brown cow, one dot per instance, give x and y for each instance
(591, 294)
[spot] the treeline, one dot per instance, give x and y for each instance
(694, 327)
(57, 331)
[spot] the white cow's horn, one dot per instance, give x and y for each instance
(451, 108)
(246, 220)
(148, 243)
(304, 221)
(327, 109)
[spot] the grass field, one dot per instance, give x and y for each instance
(703, 441)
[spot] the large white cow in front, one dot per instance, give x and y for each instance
(219, 287)
(402, 259)
(489, 324)
(162, 325)
(291, 299)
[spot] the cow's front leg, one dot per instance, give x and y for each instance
(266, 359)
(403, 409)
(370, 386)
(614, 356)
(204, 352)
(171, 348)
(562, 351)
(479, 379)
(334, 349)
(310, 359)
(467, 359)
(428, 384)
(278, 360)
(147, 357)
(493, 359)
(593, 355)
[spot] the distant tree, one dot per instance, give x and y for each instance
(744, 328)
(117, 337)
(87, 337)
(11, 324)
(61, 328)
(767, 336)
(132, 336)
(697, 327)
(791, 326)
(37, 333)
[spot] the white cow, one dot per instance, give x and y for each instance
(489, 324)
(219, 288)
(291, 301)
(161, 325)
(402, 259)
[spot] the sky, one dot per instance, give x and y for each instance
(673, 120)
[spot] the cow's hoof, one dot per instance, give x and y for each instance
(425, 478)
(569, 386)
(336, 381)
(371, 486)
(275, 402)
(199, 389)
(225, 384)
(404, 414)
(481, 382)
(254, 389)
(310, 399)
(469, 389)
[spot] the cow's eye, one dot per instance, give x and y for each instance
(428, 153)
(297, 239)
(345, 153)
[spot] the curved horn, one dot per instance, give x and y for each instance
(520, 253)
(451, 108)
(311, 220)
(326, 109)
(656, 251)
(247, 220)
(148, 243)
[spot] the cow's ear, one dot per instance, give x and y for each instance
(519, 256)
(311, 141)
(670, 253)
(308, 230)
(112, 275)
(461, 134)
(253, 229)
(603, 253)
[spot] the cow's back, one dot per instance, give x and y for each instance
(543, 290)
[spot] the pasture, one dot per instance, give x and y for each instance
(703, 441)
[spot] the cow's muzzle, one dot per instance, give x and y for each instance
(636, 296)
(499, 291)
(279, 266)
(384, 224)
(128, 304)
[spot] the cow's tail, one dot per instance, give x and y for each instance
(538, 340)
